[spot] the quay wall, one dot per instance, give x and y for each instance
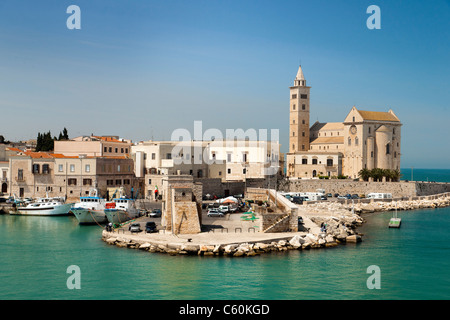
(398, 189)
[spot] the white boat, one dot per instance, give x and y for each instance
(44, 207)
(121, 209)
(90, 209)
(395, 221)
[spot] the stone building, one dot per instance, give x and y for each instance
(182, 205)
(95, 146)
(365, 139)
(36, 174)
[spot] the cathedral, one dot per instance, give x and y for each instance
(365, 140)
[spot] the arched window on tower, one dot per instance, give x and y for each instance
(388, 148)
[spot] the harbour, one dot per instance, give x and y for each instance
(36, 252)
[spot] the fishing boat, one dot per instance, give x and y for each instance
(44, 207)
(395, 221)
(90, 209)
(121, 209)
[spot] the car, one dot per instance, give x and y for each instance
(297, 200)
(355, 196)
(224, 209)
(215, 213)
(300, 220)
(155, 213)
(336, 195)
(150, 227)
(323, 198)
(135, 227)
(342, 197)
(329, 195)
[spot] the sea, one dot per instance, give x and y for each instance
(38, 256)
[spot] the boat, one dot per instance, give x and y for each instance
(44, 207)
(121, 209)
(90, 209)
(395, 221)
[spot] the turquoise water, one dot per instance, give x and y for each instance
(416, 174)
(414, 262)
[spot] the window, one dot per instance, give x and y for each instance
(353, 119)
(244, 171)
(109, 182)
(118, 182)
(126, 181)
(395, 154)
(118, 168)
(60, 168)
(87, 168)
(72, 168)
(153, 156)
(228, 157)
(393, 131)
(20, 174)
(305, 161)
(110, 149)
(105, 149)
(244, 157)
(35, 168)
(293, 121)
(72, 182)
(371, 154)
(121, 150)
(303, 147)
(349, 141)
(329, 162)
(388, 148)
(45, 169)
(228, 171)
(126, 150)
(293, 133)
(149, 181)
(303, 106)
(303, 133)
(294, 96)
(293, 107)
(87, 182)
(303, 96)
(169, 156)
(356, 141)
(303, 122)
(314, 161)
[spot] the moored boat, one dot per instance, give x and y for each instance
(44, 207)
(90, 209)
(121, 209)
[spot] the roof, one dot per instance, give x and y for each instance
(327, 126)
(300, 75)
(335, 140)
(378, 116)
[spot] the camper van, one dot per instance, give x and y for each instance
(379, 195)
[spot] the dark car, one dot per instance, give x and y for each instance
(150, 227)
(297, 200)
(135, 227)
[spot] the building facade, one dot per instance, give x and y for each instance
(364, 140)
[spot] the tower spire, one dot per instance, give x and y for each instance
(300, 78)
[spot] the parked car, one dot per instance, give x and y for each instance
(297, 200)
(342, 197)
(150, 227)
(336, 195)
(355, 196)
(155, 213)
(224, 209)
(135, 227)
(329, 195)
(300, 220)
(323, 198)
(215, 213)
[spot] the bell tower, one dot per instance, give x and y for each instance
(299, 114)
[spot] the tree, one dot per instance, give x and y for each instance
(377, 174)
(364, 174)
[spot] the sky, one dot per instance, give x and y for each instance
(142, 69)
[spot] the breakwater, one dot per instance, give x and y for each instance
(326, 224)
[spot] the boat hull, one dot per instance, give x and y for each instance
(88, 216)
(57, 210)
(117, 216)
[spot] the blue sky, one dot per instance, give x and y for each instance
(141, 69)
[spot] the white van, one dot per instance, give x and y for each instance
(379, 195)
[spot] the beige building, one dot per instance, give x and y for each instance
(227, 160)
(34, 174)
(365, 140)
(93, 146)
